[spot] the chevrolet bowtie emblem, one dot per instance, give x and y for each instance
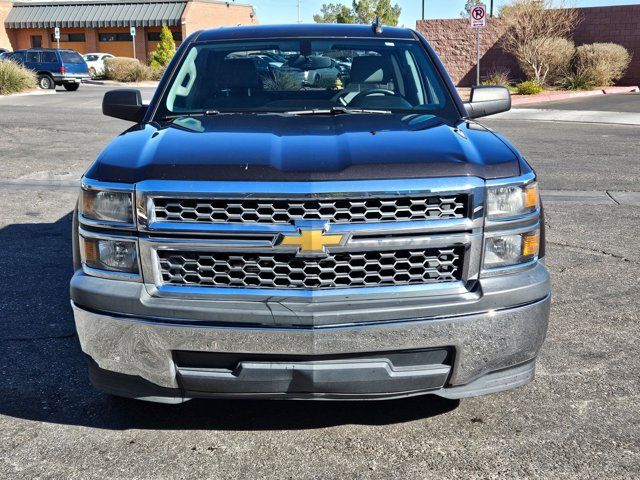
(312, 241)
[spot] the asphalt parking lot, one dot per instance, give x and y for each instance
(579, 419)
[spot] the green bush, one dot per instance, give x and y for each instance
(528, 88)
(576, 81)
(122, 69)
(165, 50)
(602, 63)
(498, 77)
(15, 78)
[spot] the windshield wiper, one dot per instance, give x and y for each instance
(335, 111)
(190, 114)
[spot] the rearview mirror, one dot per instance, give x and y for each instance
(488, 100)
(125, 104)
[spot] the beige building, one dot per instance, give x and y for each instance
(104, 26)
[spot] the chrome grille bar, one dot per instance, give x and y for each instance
(333, 211)
(285, 270)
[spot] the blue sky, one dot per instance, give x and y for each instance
(285, 11)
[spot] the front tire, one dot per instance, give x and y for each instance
(71, 87)
(45, 82)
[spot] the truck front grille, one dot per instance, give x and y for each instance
(286, 270)
(330, 210)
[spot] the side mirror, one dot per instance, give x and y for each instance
(125, 104)
(488, 101)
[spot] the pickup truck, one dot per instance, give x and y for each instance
(253, 237)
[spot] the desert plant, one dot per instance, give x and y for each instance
(575, 81)
(165, 50)
(123, 69)
(15, 78)
(533, 33)
(282, 82)
(601, 63)
(528, 88)
(498, 76)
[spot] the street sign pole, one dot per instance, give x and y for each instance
(478, 20)
(477, 56)
(132, 31)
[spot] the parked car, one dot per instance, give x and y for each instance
(313, 70)
(95, 62)
(53, 67)
(369, 242)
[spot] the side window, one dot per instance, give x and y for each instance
(33, 57)
(17, 57)
(48, 57)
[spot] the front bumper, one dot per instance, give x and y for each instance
(491, 351)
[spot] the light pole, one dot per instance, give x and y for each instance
(422, 9)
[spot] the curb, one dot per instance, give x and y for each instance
(120, 84)
(30, 93)
(525, 99)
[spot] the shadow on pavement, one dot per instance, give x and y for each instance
(43, 376)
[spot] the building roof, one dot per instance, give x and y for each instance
(96, 13)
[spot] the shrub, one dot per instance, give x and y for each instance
(122, 69)
(498, 77)
(529, 88)
(534, 31)
(576, 81)
(558, 53)
(602, 63)
(282, 82)
(15, 78)
(165, 50)
(155, 73)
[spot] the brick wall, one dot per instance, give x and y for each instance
(204, 15)
(455, 42)
(4, 37)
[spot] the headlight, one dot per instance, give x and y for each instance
(508, 250)
(512, 200)
(106, 205)
(113, 255)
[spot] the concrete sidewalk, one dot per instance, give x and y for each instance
(581, 116)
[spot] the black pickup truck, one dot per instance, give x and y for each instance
(258, 235)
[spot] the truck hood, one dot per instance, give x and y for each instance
(279, 147)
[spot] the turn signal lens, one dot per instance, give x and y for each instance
(531, 196)
(531, 244)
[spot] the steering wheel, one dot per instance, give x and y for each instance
(374, 91)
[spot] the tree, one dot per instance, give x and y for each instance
(532, 30)
(165, 50)
(361, 11)
(334, 13)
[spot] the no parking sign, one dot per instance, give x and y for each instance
(478, 16)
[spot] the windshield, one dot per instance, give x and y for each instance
(307, 76)
(90, 58)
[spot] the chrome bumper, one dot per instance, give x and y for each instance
(493, 351)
